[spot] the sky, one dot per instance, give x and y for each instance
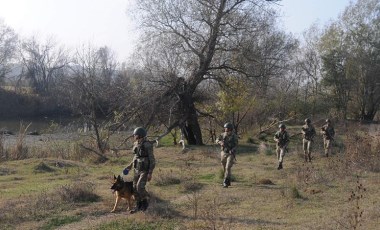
(106, 23)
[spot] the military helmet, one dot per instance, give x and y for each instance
(307, 120)
(139, 131)
(228, 126)
(282, 126)
(328, 121)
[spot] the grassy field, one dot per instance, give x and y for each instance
(339, 192)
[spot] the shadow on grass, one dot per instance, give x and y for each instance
(162, 208)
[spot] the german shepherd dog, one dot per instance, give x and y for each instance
(123, 190)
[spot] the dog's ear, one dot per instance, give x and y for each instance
(119, 177)
(114, 177)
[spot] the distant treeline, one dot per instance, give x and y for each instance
(14, 105)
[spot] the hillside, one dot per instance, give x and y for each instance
(339, 192)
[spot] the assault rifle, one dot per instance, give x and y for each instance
(308, 134)
(228, 148)
(328, 136)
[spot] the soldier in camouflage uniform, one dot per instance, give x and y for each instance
(308, 133)
(328, 133)
(228, 142)
(143, 163)
(282, 140)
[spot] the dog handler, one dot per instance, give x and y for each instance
(143, 163)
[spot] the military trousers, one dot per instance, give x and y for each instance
(327, 144)
(140, 179)
(227, 161)
(280, 151)
(307, 146)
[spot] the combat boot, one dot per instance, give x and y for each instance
(305, 156)
(309, 156)
(137, 208)
(144, 205)
(226, 183)
(279, 166)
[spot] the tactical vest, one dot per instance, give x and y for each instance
(329, 132)
(141, 162)
(308, 132)
(228, 142)
(282, 138)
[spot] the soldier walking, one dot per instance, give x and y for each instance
(282, 139)
(143, 163)
(328, 133)
(308, 133)
(228, 141)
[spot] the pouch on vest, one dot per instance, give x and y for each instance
(142, 164)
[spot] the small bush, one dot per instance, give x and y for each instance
(78, 192)
(265, 182)
(191, 186)
(263, 137)
(167, 178)
(20, 151)
(294, 193)
(42, 167)
(251, 140)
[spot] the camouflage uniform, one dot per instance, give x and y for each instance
(282, 139)
(228, 142)
(308, 133)
(143, 163)
(328, 133)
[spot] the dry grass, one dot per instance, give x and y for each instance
(339, 192)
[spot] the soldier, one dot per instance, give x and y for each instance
(328, 133)
(282, 139)
(308, 133)
(143, 163)
(228, 142)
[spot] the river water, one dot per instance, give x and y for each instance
(38, 131)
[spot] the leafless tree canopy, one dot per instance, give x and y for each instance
(43, 63)
(189, 42)
(8, 47)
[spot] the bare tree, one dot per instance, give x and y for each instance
(191, 42)
(43, 63)
(308, 69)
(101, 94)
(8, 45)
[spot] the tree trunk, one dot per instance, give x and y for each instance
(192, 131)
(190, 128)
(368, 116)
